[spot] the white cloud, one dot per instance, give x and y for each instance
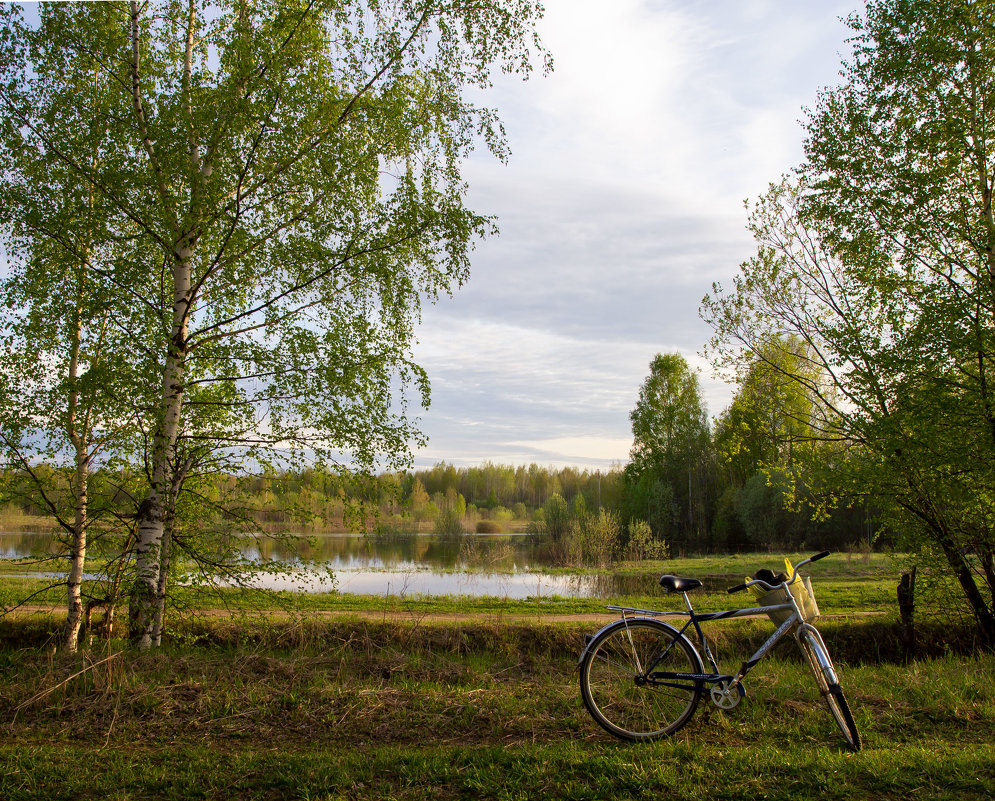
(510, 394)
(621, 204)
(581, 449)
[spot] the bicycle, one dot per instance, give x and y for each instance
(641, 678)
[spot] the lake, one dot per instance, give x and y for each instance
(501, 565)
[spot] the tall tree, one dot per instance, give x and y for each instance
(670, 449)
(72, 370)
(882, 258)
(772, 421)
(295, 169)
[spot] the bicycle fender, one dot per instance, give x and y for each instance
(589, 638)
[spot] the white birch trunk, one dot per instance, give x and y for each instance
(77, 558)
(153, 512)
(80, 486)
(151, 517)
(165, 553)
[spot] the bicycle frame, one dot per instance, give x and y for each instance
(679, 680)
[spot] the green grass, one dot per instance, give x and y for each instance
(467, 698)
(557, 770)
(836, 597)
(314, 709)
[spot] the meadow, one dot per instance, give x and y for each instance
(344, 697)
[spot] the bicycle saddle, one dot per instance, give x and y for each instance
(678, 584)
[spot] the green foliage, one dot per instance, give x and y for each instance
(449, 521)
(773, 420)
(669, 421)
(578, 507)
(653, 498)
(452, 510)
(641, 543)
(556, 517)
(531, 485)
(259, 198)
(879, 259)
(667, 480)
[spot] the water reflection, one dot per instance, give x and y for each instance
(504, 565)
(22, 544)
(403, 551)
(412, 583)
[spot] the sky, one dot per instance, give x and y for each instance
(621, 203)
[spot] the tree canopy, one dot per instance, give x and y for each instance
(670, 450)
(275, 189)
(879, 257)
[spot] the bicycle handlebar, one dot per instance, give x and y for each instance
(791, 578)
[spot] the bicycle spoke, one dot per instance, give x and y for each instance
(616, 690)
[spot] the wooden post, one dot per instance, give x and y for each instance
(906, 609)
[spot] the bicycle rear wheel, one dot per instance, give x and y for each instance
(617, 691)
(818, 658)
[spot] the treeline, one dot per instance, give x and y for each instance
(492, 488)
(760, 476)
(315, 499)
(711, 501)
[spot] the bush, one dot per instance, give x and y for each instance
(592, 540)
(556, 516)
(449, 521)
(642, 545)
(488, 527)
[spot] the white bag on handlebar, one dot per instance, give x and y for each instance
(802, 592)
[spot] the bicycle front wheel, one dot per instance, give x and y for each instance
(818, 660)
(623, 684)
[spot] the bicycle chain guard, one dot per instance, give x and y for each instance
(723, 698)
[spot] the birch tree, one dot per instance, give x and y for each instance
(71, 371)
(295, 169)
(899, 401)
(881, 256)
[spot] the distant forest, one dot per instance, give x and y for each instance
(490, 498)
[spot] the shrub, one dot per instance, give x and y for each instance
(591, 540)
(556, 516)
(449, 521)
(488, 527)
(642, 545)
(600, 537)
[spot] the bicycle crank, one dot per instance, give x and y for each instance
(724, 698)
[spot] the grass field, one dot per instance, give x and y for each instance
(460, 699)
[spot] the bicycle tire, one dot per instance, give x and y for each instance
(614, 687)
(831, 693)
